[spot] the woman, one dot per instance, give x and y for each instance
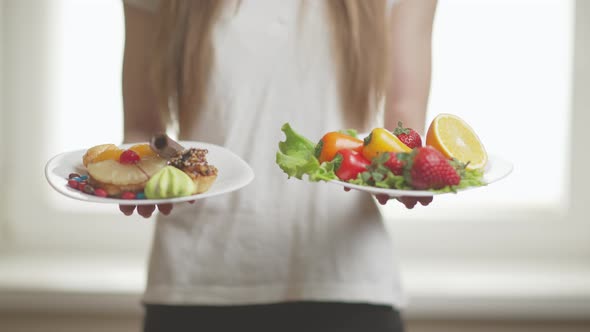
(277, 255)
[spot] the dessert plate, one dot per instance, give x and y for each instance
(233, 174)
(495, 170)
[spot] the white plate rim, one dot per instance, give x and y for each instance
(62, 188)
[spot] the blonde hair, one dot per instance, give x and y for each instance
(182, 69)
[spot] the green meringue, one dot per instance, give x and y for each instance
(169, 182)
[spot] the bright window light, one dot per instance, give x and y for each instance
(88, 57)
(86, 65)
(505, 66)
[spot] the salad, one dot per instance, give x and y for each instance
(452, 157)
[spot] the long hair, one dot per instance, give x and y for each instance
(184, 55)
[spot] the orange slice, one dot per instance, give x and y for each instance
(143, 150)
(109, 154)
(94, 151)
(456, 139)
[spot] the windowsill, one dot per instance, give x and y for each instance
(519, 291)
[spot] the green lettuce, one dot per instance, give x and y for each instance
(296, 158)
(471, 178)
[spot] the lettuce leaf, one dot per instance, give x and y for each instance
(326, 172)
(296, 158)
(472, 178)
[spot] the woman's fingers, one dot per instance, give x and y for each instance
(382, 198)
(409, 202)
(425, 200)
(127, 209)
(146, 210)
(165, 208)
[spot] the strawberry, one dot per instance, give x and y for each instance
(395, 164)
(427, 168)
(408, 136)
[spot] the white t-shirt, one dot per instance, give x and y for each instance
(275, 240)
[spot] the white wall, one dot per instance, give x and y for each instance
(581, 119)
(27, 90)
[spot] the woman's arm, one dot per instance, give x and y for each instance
(411, 39)
(411, 56)
(141, 117)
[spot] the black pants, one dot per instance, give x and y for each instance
(284, 317)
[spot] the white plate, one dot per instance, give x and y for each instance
(234, 173)
(495, 170)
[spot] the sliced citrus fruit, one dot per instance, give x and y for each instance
(94, 151)
(143, 150)
(456, 139)
(109, 154)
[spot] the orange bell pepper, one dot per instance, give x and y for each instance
(333, 142)
(380, 141)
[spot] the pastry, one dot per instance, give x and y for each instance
(161, 169)
(169, 182)
(194, 163)
(117, 171)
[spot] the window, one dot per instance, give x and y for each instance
(62, 62)
(504, 69)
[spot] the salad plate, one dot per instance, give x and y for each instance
(233, 174)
